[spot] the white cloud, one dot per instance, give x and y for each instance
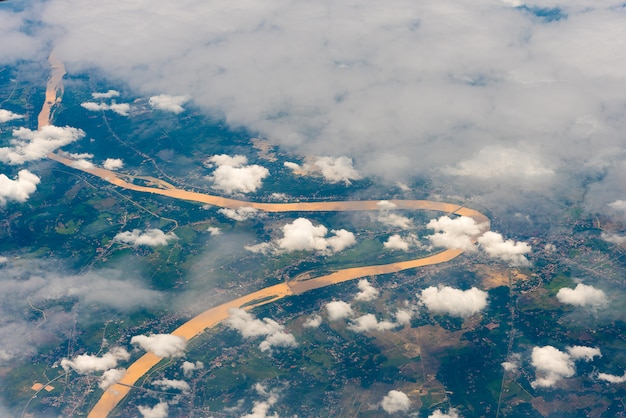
(214, 231)
(583, 295)
(611, 378)
(302, 235)
(552, 365)
(454, 232)
(367, 291)
(119, 108)
(579, 352)
(452, 413)
(151, 237)
(110, 377)
(313, 322)
(395, 401)
(498, 162)
(249, 327)
(261, 408)
(189, 367)
(397, 242)
(95, 107)
(113, 164)
(240, 214)
(168, 103)
(7, 115)
(369, 322)
(82, 164)
(334, 170)
(613, 238)
(513, 363)
(30, 145)
(395, 220)
(232, 175)
(107, 95)
(172, 384)
(619, 205)
(338, 309)
(159, 410)
(86, 363)
(454, 302)
(508, 250)
(161, 345)
(403, 316)
(337, 169)
(386, 205)
(18, 190)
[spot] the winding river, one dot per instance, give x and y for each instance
(213, 316)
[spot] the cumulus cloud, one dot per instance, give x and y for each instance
(249, 327)
(337, 169)
(454, 302)
(161, 345)
(119, 108)
(261, 408)
(369, 322)
(454, 232)
(397, 242)
(113, 164)
(513, 363)
(583, 295)
(86, 363)
(508, 250)
(18, 190)
(28, 145)
(552, 365)
(438, 413)
(110, 377)
(151, 237)
(232, 175)
(611, 378)
(395, 401)
(82, 164)
(313, 322)
(214, 231)
(240, 214)
(367, 292)
(338, 309)
(172, 384)
(302, 235)
(159, 410)
(7, 115)
(334, 170)
(189, 367)
(106, 95)
(168, 103)
(395, 220)
(498, 162)
(613, 238)
(619, 205)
